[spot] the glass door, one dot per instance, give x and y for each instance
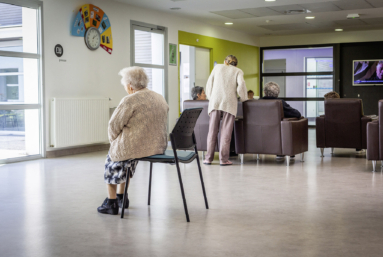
(20, 81)
(194, 70)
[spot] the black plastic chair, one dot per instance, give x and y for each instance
(182, 138)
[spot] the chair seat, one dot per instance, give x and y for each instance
(168, 156)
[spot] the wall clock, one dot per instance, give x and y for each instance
(92, 38)
(94, 25)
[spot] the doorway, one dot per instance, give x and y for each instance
(194, 70)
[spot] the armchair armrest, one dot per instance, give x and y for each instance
(320, 132)
(290, 119)
(373, 141)
(364, 122)
(294, 136)
(239, 137)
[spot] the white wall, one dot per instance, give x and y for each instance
(323, 38)
(86, 73)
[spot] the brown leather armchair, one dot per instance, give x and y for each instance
(201, 128)
(342, 126)
(375, 138)
(264, 130)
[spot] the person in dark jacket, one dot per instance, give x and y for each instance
(271, 91)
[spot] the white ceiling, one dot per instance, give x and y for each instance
(251, 16)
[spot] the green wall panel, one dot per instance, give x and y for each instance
(248, 56)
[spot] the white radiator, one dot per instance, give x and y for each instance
(79, 121)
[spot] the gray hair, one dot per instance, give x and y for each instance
(271, 89)
(196, 91)
(135, 76)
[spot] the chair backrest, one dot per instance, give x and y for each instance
(202, 126)
(343, 125)
(262, 126)
(183, 130)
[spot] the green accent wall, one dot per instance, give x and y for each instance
(247, 55)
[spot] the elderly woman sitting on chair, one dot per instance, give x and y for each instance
(137, 129)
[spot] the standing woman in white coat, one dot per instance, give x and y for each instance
(223, 85)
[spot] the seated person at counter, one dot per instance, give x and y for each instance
(198, 93)
(331, 95)
(271, 91)
(250, 94)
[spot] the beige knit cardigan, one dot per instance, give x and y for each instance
(138, 126)
(223, 85)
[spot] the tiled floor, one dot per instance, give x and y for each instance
(331, 206)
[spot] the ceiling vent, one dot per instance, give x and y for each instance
(297, 11)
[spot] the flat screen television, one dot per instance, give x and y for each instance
(367, 73)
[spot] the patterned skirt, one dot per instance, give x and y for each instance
(116, 172)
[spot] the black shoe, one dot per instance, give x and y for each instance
(109, 206)
(121, 199)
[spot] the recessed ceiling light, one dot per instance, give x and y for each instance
(338, 29)
(310, 17)
(270, 0)
(175, 8)
(228, 23)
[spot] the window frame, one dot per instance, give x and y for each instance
(40, 106)
(334, 73)
(137, 25)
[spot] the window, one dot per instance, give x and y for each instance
(148, 52)
(304, 75)
(20, 81)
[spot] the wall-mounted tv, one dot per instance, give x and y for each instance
(368, 73)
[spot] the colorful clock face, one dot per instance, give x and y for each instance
(92, 38)
(91, 17)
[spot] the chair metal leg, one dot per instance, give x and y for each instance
(373, 166)
(258, 157)
(302, 157)
(202, 183)
(150, 183)
(125, 191)
(241, 156)
(182, 191)
(203, 155)
(287, 160)
(332, 150)
(321, 152)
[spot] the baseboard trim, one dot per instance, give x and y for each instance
(77, 150)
